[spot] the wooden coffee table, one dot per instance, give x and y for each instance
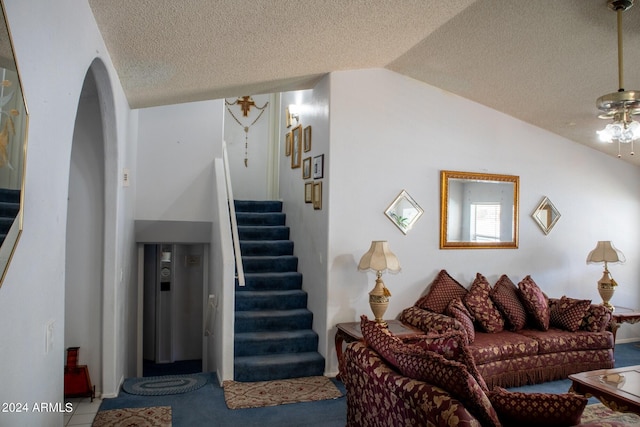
(619, 388)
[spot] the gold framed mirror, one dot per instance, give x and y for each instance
(546, 215)
(14, 121)
(478, 210)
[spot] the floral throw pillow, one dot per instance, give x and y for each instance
(458, 311)
(505, 296)
(443, 289)
(535, 303)
(597, 318)
(380, 339)
(537, 409)
(451, 376)
(568, 313)
(479, 303)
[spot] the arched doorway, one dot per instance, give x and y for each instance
(90, 278)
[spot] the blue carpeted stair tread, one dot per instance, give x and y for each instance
(279, 366)
(271, 300)
(271, 232)
(269, 264)
(273, 327)
(257, 206)
(275, 342)
(266, 247)
(260, 218)
(281, 280)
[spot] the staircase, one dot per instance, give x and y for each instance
(273, 335)
(9, 207)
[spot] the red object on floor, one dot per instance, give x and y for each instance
(77, 382)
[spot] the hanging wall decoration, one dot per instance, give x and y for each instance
(245, 103)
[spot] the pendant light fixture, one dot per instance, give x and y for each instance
(623, 105)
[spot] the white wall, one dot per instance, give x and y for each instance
(390, 133)
(55, 45)
(250, 182)
(309, 227)
(176, 148)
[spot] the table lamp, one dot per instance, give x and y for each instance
(379, 259)
(605, 252)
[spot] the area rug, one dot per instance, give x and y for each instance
(166, 384)
(240, 395)
(154, 416)
(599, 412)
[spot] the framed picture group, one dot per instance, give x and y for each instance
(297, 142)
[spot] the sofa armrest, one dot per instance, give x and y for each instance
(428, 321)
(378, 396)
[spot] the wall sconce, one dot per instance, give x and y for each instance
(294, 112)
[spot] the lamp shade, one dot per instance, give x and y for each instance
(379, 258)
(605, 252)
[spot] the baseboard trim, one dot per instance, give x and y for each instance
(627, 340)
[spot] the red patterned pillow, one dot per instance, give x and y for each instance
(458, 311)
(451, 376)
(481, 307)
(380, 339)
(535, 303)
(505, 296)
(452, 345)
(537, 409)
(443, 289)
(597, 318)
(568, 313)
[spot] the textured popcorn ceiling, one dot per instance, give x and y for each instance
(542, 61)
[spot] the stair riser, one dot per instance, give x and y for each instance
(255, 347)
(269, 372)
(267, 302)
(269, 264)
(266, 248)
(263, 233)
(288, 323)
(260, 219)
(284, 282)
(257, 206)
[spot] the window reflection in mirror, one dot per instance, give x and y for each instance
(13, 136)
(478, 210)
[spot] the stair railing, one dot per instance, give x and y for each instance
(232, 215)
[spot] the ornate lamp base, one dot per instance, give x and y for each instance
(379, 301)
(606, 291)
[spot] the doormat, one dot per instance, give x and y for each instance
(166, 384)
(154, 416)
(240, 395)
(599, 412)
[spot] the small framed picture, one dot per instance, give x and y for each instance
(307, 139)
(306, 168)
(287, 117)
(296, 147)
(287, 144)
(308, 192)
(317, 195)
(318, 167)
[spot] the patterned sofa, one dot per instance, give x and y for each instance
(516, 334)
(432, 381)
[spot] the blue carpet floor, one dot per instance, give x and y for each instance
(206, 406)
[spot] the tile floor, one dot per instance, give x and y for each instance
(84, 410)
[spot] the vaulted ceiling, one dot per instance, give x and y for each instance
(544, 62)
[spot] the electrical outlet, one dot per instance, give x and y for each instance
(126, 179)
